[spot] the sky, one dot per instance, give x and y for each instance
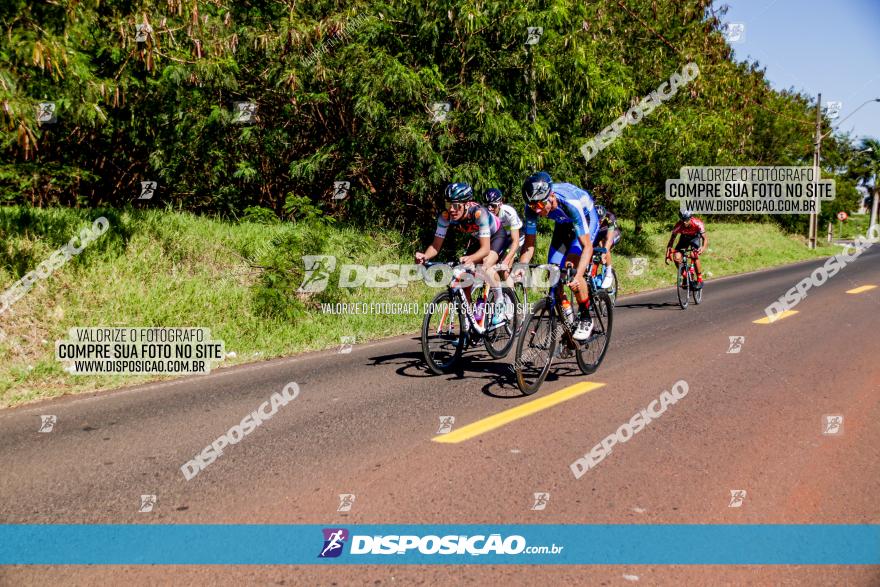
(831, 47)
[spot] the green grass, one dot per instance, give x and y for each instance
(155, 268)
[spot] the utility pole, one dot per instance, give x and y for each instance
(817, 170)
(533, 90)
(534, 36)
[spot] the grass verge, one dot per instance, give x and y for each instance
(164, 269)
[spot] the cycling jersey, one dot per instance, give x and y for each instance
(606, 223)
(575, 216)
(477, 222)
(695, 229)
(510, 220)
(575, 207)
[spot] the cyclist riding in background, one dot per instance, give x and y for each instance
(608, 236)
(574, 213)
(487, 241)
(693, 236)
(511, 223)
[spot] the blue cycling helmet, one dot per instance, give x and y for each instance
(459, 192)
(537, 187)
(493, 196)
(685, 214)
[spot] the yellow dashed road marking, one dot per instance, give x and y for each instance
(776, 318)
(507, 416)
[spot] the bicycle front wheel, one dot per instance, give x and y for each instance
(591, 352)
(535, 347)
(683, 287)
(612, 291)
(443, 333)
(698, 295)
(502, 323)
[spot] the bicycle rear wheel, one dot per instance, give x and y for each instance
(683, 286)
(499, 339)
(535, 347)
(591, 352)
(443, 333)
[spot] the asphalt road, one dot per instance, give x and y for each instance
(366, 423)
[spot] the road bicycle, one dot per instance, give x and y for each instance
(598, 271)
(686, 279)
(548, 326)
(451, 324)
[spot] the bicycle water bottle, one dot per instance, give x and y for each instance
(567, 311)
(478, 311)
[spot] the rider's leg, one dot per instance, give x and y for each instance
(490, 276)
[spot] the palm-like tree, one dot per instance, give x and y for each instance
(865, 167)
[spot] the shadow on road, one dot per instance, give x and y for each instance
(474, 365)
(651, 306)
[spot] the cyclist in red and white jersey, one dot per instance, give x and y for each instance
(488, 238)
(693, 236)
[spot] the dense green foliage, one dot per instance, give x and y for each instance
(344, 92)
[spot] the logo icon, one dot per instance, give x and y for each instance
(832, 109)
(638, 266)
(318, 270)
(346, 500)
(734, 32)
(334, 540)
(541, 500)
(147, 503)
(832, 424)
(534, 34)
(345, 343)
(245, 113)
(47, 423)
(737, 496)
(148, 188)
(439, 111)
(46, 113)
(340, 189)
(446, 423)
(142, 31)
(736, 343)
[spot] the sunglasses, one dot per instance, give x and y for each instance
(454, 205)
(539, 206)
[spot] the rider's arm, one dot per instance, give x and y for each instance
(514, 247)
(432, 250)
(531, 230)
(609, 238)
(671, 240)
(439, 237)
(484, 249)
(586, 256)
(528, 249)
(705, 243)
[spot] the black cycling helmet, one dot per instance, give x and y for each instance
(537, 187)
(685, 214)
(459, 192)
(601, 211)
(493, 196)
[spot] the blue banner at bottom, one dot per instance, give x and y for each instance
(203, 544)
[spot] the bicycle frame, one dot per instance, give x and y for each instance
(457, 291)
(597, 267)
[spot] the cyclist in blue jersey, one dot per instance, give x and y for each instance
(488, 239)
(577, 225)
